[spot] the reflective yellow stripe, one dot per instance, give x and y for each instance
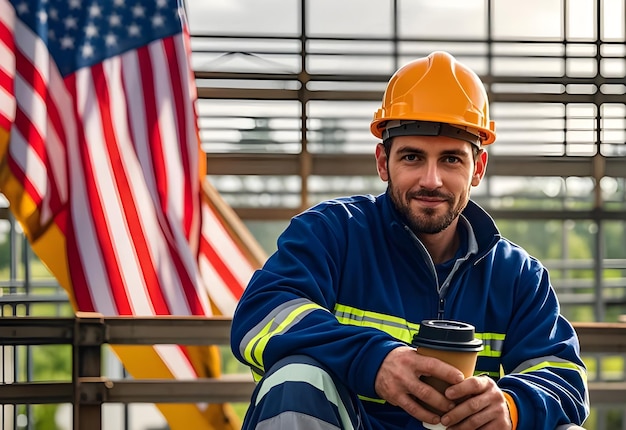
(486, 372)
(492, 344)
(369, 399)
(404, 330)
(256, 376)
(491, 336)
(559, 365)
(399, 328)
(256, 346)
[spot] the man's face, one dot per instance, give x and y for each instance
(430, 178)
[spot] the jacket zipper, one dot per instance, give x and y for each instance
(440, 310)
(429, 261)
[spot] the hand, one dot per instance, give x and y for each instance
(398, 382)
(480, 405)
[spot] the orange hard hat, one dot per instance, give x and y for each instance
(436, 89)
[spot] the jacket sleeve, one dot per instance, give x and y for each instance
(287, 308)
(544, 372)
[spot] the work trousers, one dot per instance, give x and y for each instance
(298, 393)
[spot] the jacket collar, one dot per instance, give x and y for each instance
(482, 229)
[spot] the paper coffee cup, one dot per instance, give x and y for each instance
(450, 341)
(430, 426)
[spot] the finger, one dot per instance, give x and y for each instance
(430, 398)
(416, 410)
(483, 410)
(471, 386)
(430, 366)
(470, 414)
(483, 420)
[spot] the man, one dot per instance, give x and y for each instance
(327, 323)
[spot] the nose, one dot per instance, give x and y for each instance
(431, 176)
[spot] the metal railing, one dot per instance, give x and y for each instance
(89, 390)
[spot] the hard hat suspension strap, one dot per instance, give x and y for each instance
(426, 128)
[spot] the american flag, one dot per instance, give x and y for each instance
(102, 166)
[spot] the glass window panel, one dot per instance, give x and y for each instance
(329, 187)
(530, 111)
(615, 136)
(613, 193)
(442, 19)
(516, 49)
(532, 19)
(259, 191)
(613, 150)
(349, 64)
(613, 129)
(581, 19)
(576, 123)
(528, 88)
(249, 125)
(581, 49)
(245, 55)
(577, 149)
(338, 126)
(613, 20)
(581, 67)
(528, 66)
(615, 89)
(613, 49)
(528, 128)
(355, 56)
(581, 110)
(371, 18)
(613, 67)
(276, 17)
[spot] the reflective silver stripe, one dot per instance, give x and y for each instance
(279, 321)
(295, 421)
(312, 375)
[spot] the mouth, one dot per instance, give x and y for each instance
(430, 202)
(429, 198)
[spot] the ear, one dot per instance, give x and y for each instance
(480, 167)
(381, 162)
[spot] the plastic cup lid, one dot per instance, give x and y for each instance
(447, 335)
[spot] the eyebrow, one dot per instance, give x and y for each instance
(411, 150)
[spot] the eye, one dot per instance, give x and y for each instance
(410, 157)
(452, 159)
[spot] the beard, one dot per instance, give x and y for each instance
(425, 220)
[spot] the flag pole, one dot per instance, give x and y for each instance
(235, 225)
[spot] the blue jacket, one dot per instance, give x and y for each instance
(350, 282)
